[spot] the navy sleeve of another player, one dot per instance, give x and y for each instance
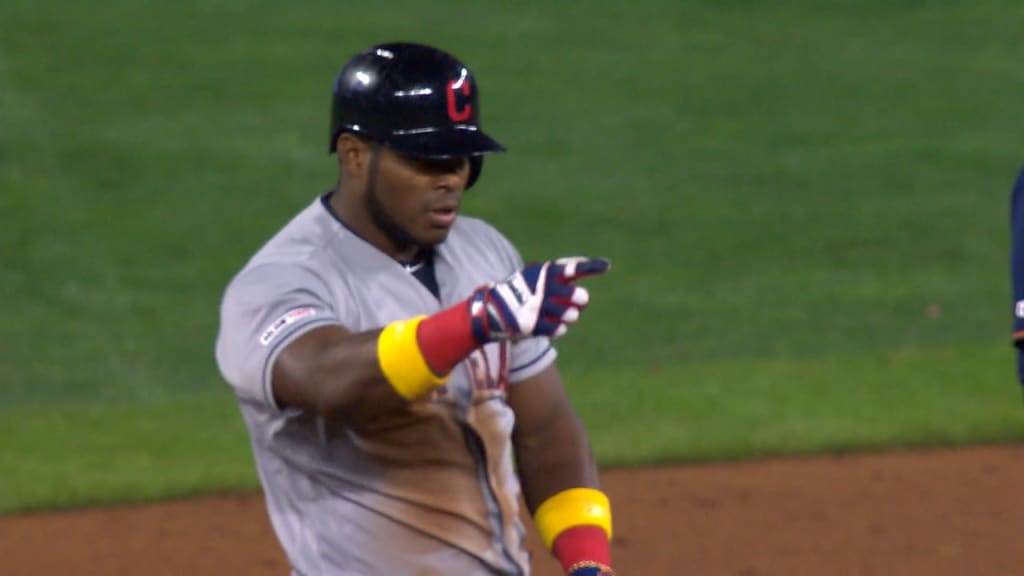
(1017, 270)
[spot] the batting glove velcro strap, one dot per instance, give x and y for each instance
(538, 300)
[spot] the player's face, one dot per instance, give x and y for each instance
(416, 200)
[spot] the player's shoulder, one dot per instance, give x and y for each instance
(473, 229)
(292, 250)
(480, 241)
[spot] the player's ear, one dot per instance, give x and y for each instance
(353, 155)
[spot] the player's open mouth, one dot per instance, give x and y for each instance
(443, 217)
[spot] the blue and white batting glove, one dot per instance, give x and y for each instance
(539, 300)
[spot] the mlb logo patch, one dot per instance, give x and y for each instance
(290, 317)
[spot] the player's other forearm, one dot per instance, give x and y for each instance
(554, 459)
(562, 492)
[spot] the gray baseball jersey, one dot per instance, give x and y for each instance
(429, 490)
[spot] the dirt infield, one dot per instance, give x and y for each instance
(935, 513)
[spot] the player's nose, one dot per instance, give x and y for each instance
(452, 182)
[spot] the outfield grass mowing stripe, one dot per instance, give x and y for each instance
(70, 456)
(740, 409)
(61, 456)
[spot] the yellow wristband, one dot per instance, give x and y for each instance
(573, 507)
(402, 362)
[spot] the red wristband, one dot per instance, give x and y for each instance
(578, 544)
(446, 338)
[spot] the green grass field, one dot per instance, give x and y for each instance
(805, 204)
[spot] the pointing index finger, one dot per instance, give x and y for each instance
(576, 267)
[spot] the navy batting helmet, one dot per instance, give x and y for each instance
(414, 99)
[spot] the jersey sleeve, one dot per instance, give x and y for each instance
(529, 357)
(263, 310)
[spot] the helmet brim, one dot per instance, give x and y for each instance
(452, 142)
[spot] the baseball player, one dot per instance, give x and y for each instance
(393, 360)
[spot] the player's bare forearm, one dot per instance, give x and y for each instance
(554, 461)
(332, 372)
(551, 446)
(559, 476)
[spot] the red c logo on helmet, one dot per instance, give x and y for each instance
(456, 114)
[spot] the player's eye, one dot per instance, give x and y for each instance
(441, 165)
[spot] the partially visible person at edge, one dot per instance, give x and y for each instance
(393, 360)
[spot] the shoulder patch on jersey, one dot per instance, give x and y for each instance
(289, 317)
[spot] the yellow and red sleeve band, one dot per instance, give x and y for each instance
(573, 507)
(402, 362)
(446, 338)
(583, 547)
(412, 353)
